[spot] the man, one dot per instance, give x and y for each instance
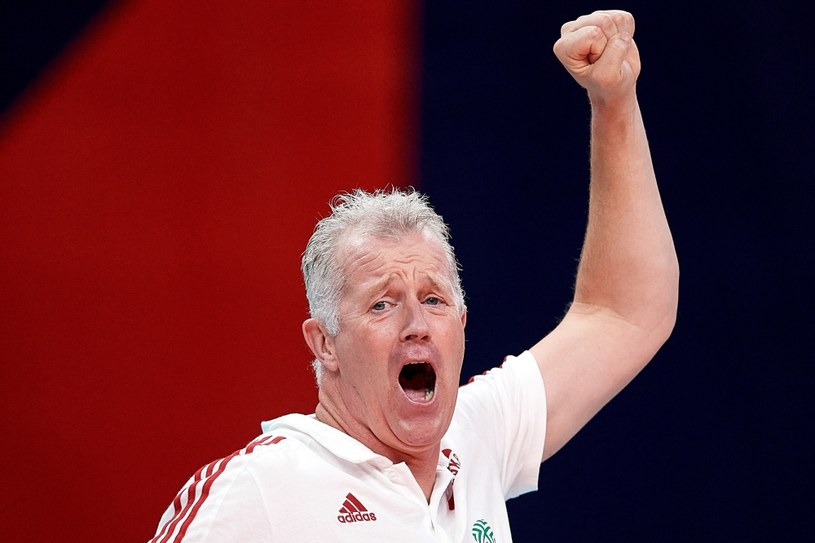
(395, 450)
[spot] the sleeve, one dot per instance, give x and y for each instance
(507, 408)
(221, 503)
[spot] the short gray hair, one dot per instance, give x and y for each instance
(382, 214)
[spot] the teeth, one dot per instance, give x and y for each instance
(428, 394)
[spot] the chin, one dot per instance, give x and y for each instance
(424, 430)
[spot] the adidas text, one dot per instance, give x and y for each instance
(356, 517)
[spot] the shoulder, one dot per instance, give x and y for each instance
(515, 372)
(267, 451)
(273, 450)
(276, 445)
(209, 499)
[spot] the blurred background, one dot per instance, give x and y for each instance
(162, 164)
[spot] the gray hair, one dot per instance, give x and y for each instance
(382, 214)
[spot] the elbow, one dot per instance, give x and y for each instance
(665, 317)
(665, 327)
(657, 304)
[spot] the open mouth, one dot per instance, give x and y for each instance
(418, 380)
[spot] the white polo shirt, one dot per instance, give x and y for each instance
(304, 481)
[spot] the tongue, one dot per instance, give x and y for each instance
(415, 394)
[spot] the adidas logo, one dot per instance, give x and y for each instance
(352, 510)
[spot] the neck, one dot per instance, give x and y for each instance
(422, 462)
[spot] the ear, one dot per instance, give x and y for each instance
(320, 343)
(464, 319)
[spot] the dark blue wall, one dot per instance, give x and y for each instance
(712, 441)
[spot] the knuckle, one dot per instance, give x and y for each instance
(628, 20)
(624, 20)
(606, 20)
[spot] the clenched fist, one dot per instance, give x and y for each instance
(598, 50)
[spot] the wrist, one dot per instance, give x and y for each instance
(622, 106)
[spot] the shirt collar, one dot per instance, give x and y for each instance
(344, 446)
(339, 443)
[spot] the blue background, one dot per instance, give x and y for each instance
(712, 441)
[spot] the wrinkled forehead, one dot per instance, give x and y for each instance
(359, 248)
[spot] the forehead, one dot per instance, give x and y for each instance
(367, 256)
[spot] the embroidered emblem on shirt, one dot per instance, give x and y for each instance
(352, 510)
(482, 532)
(455, 463)
(453, 466)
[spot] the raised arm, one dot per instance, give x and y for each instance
(625, 298)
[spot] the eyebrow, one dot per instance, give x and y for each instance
(381, 284)
(440, 284)
(435, 282)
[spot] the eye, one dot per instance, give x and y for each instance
(379, 306)
(433, 300)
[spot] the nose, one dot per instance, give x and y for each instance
(415, 325)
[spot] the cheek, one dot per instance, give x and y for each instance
(365, 367)
(460, 344)
(454, 337)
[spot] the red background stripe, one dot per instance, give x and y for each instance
(158, 186)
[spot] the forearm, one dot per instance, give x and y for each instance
(628, 265)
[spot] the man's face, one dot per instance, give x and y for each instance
(401, 342)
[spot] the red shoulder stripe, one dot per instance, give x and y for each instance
(207, 475)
